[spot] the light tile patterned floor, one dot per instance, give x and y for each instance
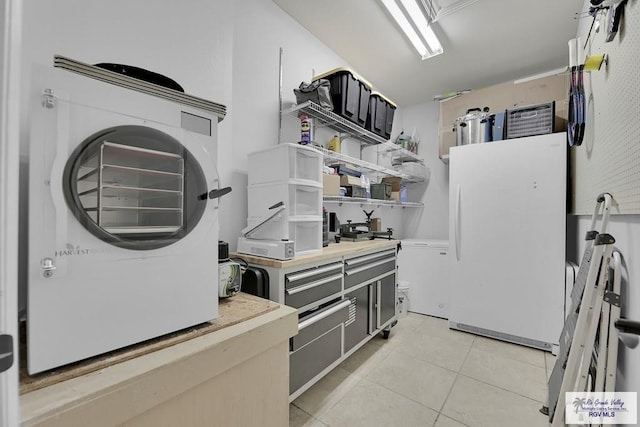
(428, 375)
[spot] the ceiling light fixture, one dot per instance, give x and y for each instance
(428, 45)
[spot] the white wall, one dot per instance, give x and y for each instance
(624, 228)
(431, 222)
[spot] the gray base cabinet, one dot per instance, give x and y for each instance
(342, 303)
(387, 299)
(356, 328)
(310, 360)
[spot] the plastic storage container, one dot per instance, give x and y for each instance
(299, 199)
(380, 115)
(349, 93)
(416, 170)
(306, 232)
(530, 120)
(284, 162)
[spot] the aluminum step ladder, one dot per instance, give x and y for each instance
(586, 298)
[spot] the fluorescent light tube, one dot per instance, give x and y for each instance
(405, 26)
(433, 46)
(423, 26)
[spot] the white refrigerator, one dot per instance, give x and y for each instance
(507, 208)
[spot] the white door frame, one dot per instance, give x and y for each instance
(10, 34)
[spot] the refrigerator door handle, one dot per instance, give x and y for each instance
(456, 227)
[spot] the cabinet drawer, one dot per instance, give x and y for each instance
(314, 324)
(313, 358)
(305, 287)
(362, 269)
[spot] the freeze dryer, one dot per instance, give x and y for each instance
(123, 222)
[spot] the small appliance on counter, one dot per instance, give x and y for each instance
(255, 281)
(282, 249)
(229, 272)
(357, 231)
(353, 231)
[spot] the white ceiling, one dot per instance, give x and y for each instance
(485, 43)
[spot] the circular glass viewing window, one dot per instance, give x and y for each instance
(135, 187)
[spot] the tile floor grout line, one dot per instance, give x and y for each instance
(423, 361)
(317, 415)
(402, 395)
(405, 397)
(511, 359)
(514, 358)
(454, 383)
(501, 388)
(310, 415)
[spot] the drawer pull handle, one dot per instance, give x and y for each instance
(357, 261)
(308, 286)
(306, 323)
(305, 274)
(368, 266)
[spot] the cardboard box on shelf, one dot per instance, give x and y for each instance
(350, 180)
(343, 168)
(395, 195)
(394, 181)
(330, 185)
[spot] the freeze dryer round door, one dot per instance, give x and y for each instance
(135, 187)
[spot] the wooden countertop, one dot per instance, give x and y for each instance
(231, 311)
(114, 388)
(334, 250)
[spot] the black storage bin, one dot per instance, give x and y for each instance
(380, 115)
(349, 94)
(391, 109)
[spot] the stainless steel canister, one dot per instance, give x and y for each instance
(474, 127)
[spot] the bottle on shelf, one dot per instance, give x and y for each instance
(334, 144)
(305, 130)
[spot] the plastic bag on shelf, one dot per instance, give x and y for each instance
(316, 91)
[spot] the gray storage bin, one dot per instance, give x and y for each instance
(530, 120)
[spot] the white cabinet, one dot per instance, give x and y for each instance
(291, 174)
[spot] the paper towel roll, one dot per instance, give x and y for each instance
(576, 52)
